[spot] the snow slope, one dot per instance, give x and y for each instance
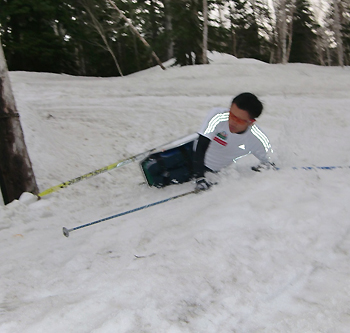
(259, 252)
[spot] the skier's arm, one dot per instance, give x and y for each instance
(263, 153)
(198, 161)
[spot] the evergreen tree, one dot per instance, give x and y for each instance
(338, 25)
(149, 16)
(219, 36)
(303, 47)
(245, 28)
(187, 31)
(29, 39)
(88, 37)
(62, 36)
(345, 29)
(263, 19)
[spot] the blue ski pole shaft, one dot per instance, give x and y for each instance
(333, 167)
(67, 231)
(311, 167)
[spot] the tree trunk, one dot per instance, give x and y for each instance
(337, 32)
(135, 31)
(205, 32)
(284, 31)
(233, 34)
(290, 30)
(16, 173)
(321, 45)
(169, 29)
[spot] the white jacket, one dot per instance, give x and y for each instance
(226, 147)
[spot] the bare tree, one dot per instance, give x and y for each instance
(88, 5)
(284, 12)
(135, 31)
(16, 173)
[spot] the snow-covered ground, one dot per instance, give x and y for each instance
(259, 252)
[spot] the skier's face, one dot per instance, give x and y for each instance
(239, 119)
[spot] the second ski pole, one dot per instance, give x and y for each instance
(66, 231)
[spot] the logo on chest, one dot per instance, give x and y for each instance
(221, 138)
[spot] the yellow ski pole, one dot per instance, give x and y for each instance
(115, 165)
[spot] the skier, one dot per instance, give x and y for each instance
(225, 136)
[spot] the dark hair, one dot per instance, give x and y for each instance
(250, 103)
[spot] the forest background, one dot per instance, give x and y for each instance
(92, 38)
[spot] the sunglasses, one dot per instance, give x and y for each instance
(241, 121)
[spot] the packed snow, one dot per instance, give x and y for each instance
(258, 252)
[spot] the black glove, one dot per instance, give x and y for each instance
(264, 166)
(202, 184)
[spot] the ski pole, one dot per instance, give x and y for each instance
(320, 167)
(96, 172)
(308, 168)
(109, 167)
(67, 231)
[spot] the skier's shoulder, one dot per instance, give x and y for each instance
(217, 110)
(256, 130)
(257, 135)
(217, 115)
(214, 118)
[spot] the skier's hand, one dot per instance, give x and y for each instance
(264, 166)
(202, 184)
